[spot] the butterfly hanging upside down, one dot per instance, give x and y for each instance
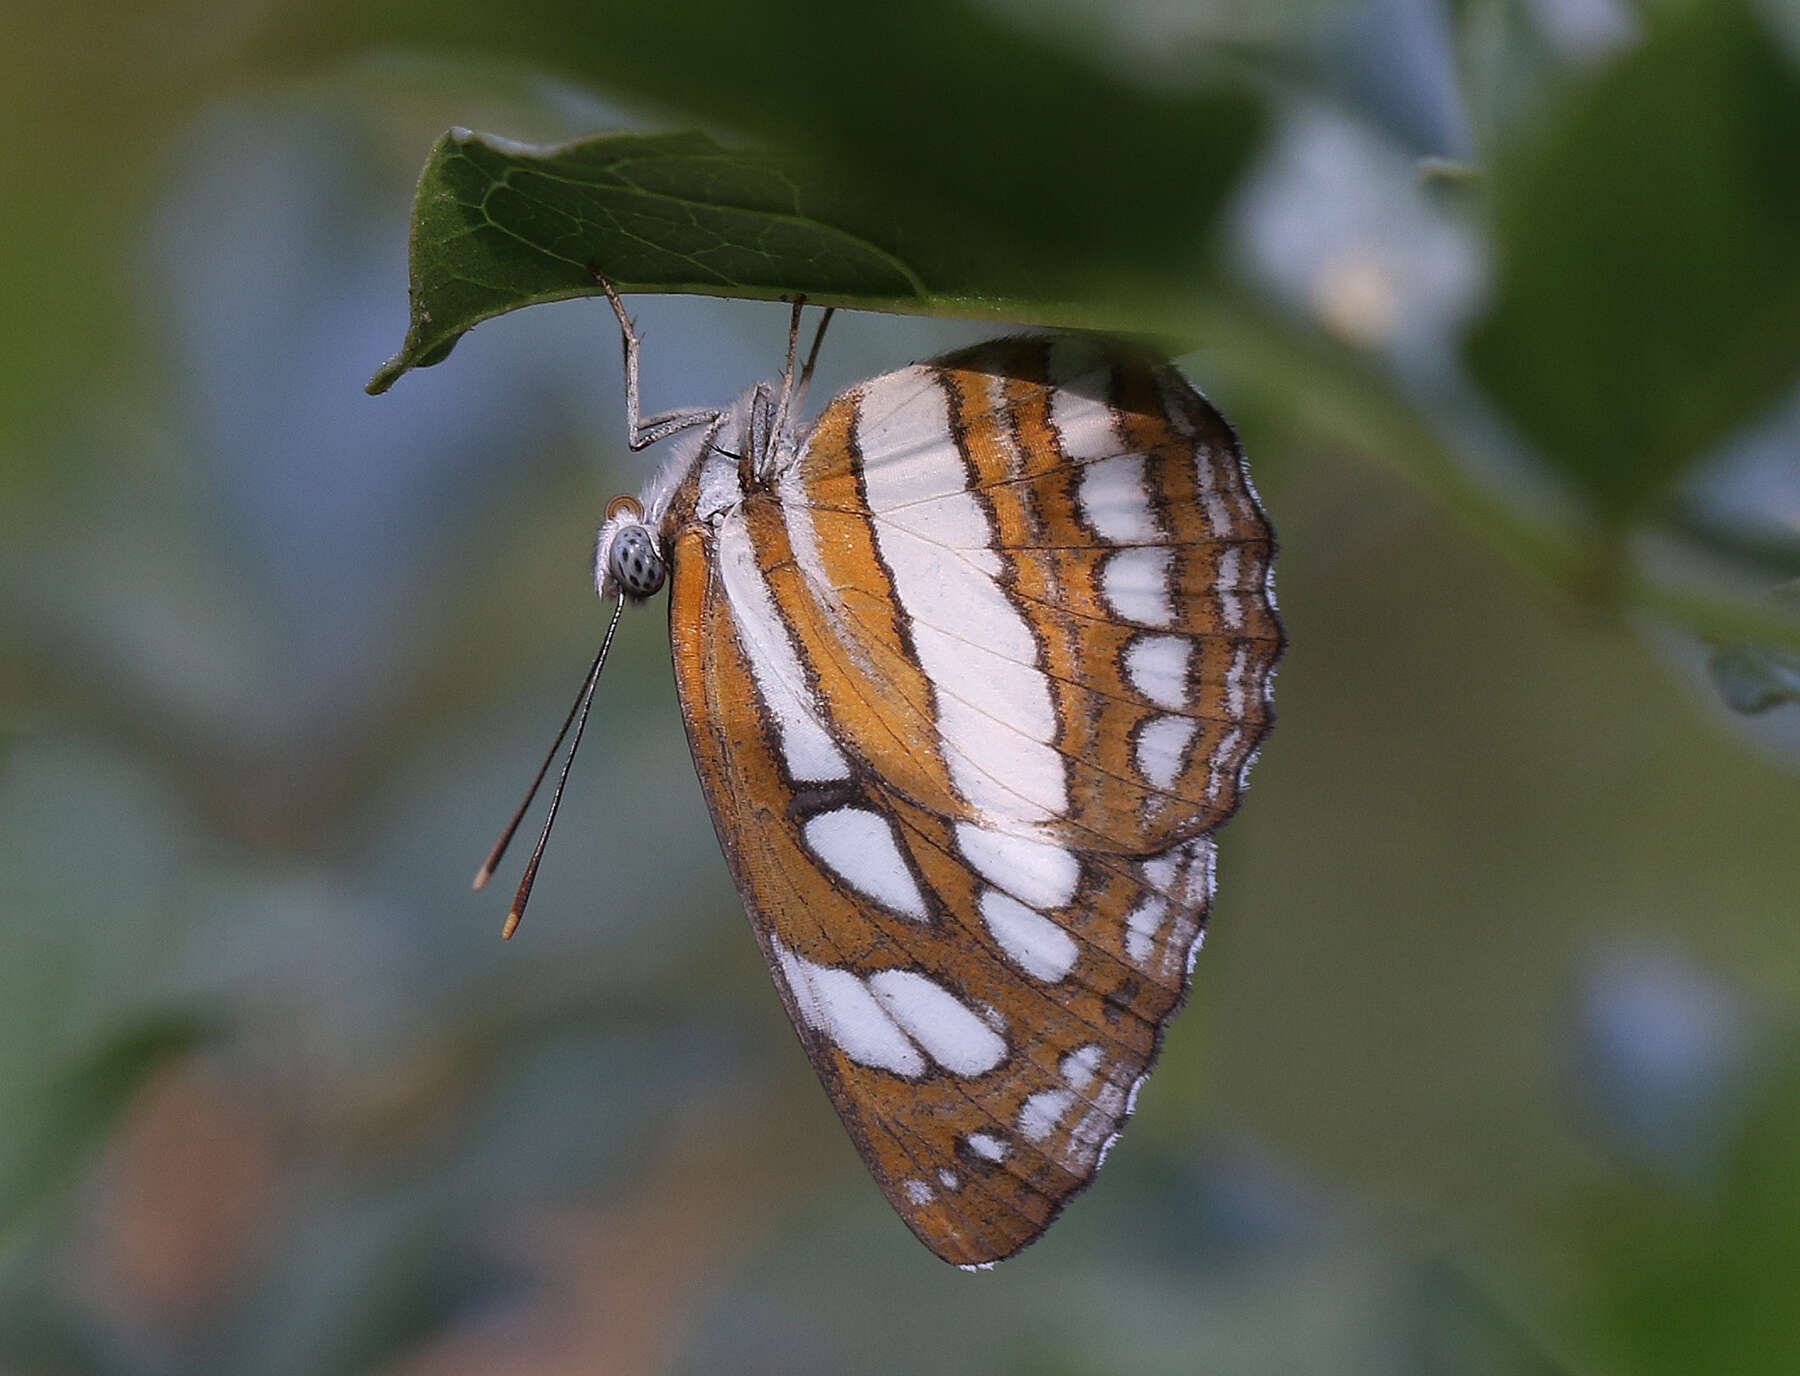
(972, 669)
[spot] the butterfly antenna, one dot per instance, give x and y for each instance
(812, 359)
(486, 872)
(578, 715)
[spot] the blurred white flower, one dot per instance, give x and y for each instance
(1336, 223)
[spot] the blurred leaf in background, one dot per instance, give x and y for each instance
(275, 656)
(1648, 294)
(1029, 143)
(52, 1128)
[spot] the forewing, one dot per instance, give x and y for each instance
(1066, 545)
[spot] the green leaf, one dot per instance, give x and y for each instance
(1649, 258)
(499, 225)
(50, 1131)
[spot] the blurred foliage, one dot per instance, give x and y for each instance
(1005, 130)
(274, 656)
(1648, 237)
(53, 1128)
(1689, 1283)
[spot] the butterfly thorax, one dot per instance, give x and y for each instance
(741, 438)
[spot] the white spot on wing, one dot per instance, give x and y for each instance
(1162, 743)
(1157, 666)
(1079, 1065)
(1218, 510)
(1191, 863)
(837, 1003)
(994, 709)
(856, 1022)
(794, 972)
(995, 686)
(913, 474)
(803, 535)
(859, 845)
(1040, 1113)
(1091, 1135)
(805, 745)
(1084, 423)
(1231, 601)
(1222, 752)
(1135, 583)
(1036, 873)
(905, 414)
(1107, 1146)
(1001, 770)
(917, 1191)
(1235, 698)
(952, 521)
(937, 1020)
(1031, 941)
(987, 1146)
(1163, 933)
(1141, 927)
(1115, 501)
(1202, 870)
(1194, 945)
(1160, 869)
(949, 1179)
(1173, 409)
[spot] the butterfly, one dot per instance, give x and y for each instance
(972, 669)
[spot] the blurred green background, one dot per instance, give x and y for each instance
(1491, 1063)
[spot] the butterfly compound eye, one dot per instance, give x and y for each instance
(635, 562)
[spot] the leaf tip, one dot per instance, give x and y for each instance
(386, 374)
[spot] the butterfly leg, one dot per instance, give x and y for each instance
(642, 433)
(781, 423)
(812, 359)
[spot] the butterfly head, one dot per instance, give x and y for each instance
(628, 557)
